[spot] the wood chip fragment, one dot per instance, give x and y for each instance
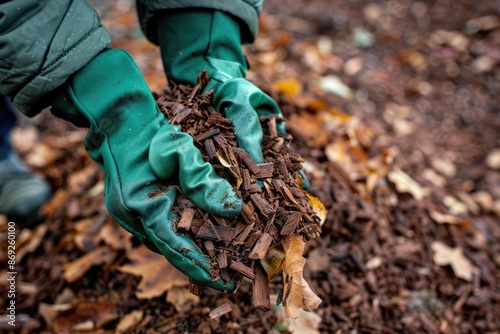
(222, 259)
(210, 147)
(242, 269)
(261, 247)
(195, 288)
(186, 219)
(207, 134)
(220, 311)
(261, 299)
(291, 223)
(247, 160)
(262, 205)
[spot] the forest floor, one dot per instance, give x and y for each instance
(394, 106)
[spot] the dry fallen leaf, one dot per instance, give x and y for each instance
(288, 87)
(79, 315)
(297, 293)
(308, 128)
(456, 207)
(349, 156)
(180, 297)
(158, 275)
(129, 321)
(405, 184)
(444, 255)
(34, 239)
(442, 218)
(307, 323)
(493, 159)
(273, 261)
(444, 166)
(318, 207)
(76, 269)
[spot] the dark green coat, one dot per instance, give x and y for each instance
(42, 43)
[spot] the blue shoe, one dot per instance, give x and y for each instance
(22, 194)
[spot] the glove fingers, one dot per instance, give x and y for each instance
(243, 102)
(173, 152)
(180, 249)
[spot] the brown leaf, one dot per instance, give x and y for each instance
(129, 321)
(180, 297)
(405, 184)
(76, 269)
(158, 275)
(297, 293)
(308, 128)
(79, 315)
(34, 239)
(444, 255)
(349, 155)
(442, 218)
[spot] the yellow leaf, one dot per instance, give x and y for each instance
(158, 275)
(223, 160)
(318, 207)
(273, 261)
(288, 87)
(297, 294)
(444, 255)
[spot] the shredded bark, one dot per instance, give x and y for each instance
(273, 199)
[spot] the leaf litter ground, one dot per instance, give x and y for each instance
(408, 171)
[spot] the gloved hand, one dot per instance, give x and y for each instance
(141, 153)
(195, 40)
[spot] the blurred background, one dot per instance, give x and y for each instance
(395, 107)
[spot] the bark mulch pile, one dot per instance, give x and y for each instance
(275, 206)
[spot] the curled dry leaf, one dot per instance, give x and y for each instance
(297, 294)
(318, 207)
(444, 255)
(405, 184)
(273, 261)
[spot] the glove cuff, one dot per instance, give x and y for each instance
(195, 40)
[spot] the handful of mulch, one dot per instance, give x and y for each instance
(276, 214)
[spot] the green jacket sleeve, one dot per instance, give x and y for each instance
(42, 43)
(247, 11)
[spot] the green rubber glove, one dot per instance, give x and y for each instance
(195, 40)
(141, 152)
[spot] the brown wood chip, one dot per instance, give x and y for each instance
(220, 311)
(242, 269)
(186, 219)
(262, 205)
(291, 223)
(206, 134)
(261, 300)
(210, 147)
(261, 247)
(247, 160)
